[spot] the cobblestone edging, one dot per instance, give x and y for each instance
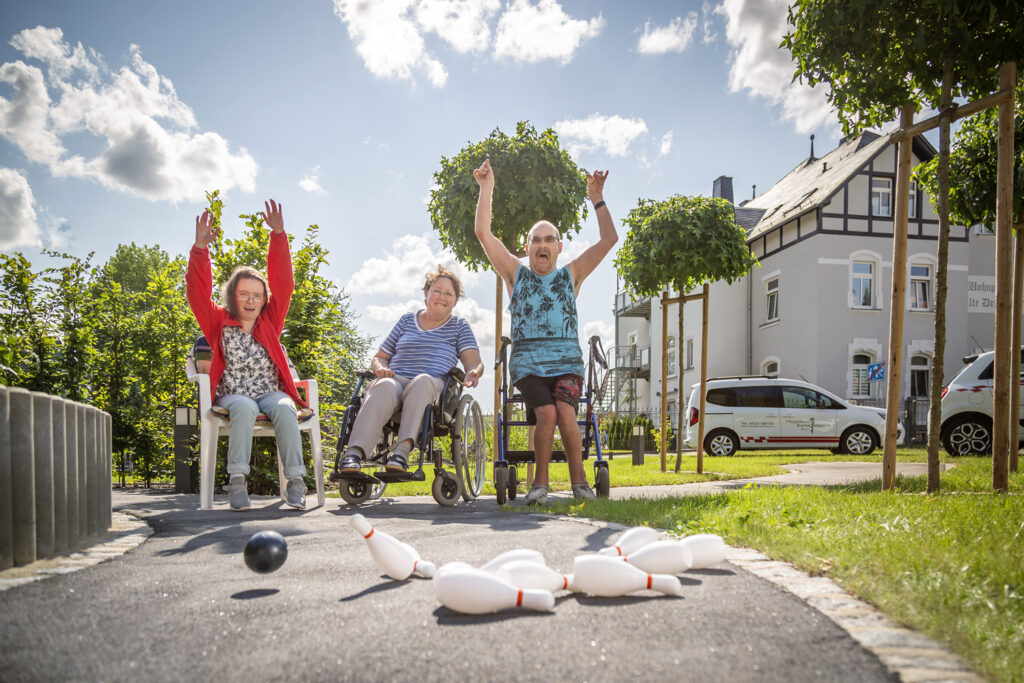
(126, 532)
(912, 656)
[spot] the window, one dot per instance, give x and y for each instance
(919, 376)
(920, 288)
(862, 277)
(757, 397)
(772, 300)
(881, 196)
(912, 206)
(721, 397)
(771, 369)
(860, 387)
(800, 397)
(671, 356)
(689, 354)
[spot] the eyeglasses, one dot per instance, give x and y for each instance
(442, 293)
(246, 296)
(549, 239)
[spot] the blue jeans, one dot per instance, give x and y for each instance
(280, 408)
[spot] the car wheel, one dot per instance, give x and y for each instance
(721, 442)
(858, 441)
(967, 435)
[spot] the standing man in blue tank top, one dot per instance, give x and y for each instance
(546, 363)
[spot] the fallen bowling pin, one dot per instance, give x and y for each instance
(631, 540)
(526, 574)
(513, 556)
(393, 557)
(474, 591)
(610, 577)
(448, 566)
(662, 557)
(706, 550)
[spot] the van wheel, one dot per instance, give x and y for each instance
(858, 441)
(967, 435)
(721, 442)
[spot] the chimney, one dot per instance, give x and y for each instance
(723, 188)
(812, 157)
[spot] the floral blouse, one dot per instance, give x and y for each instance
(248, 370)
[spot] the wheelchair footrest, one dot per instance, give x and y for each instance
(392, 477)
(514, 457)
(353, 475)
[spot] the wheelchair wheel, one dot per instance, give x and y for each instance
(501, 483)
(446, 489)
(472, 447)
(513, 483)
(355, 492)
(601, 481)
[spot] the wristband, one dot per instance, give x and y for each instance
(598, 205)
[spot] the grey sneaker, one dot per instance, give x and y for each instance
(538, 495)
(583, 492)
(296, 492)
(239, 492)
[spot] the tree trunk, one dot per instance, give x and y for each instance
(703, 377)
(663, 445)
(941, 279)
(680, 356)
(896, 311)
(1004, 258)
(1018, 290)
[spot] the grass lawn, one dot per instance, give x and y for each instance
(949, 565)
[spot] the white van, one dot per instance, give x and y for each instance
(765, 412)
(967, 408)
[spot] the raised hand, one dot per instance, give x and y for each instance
(595, 185)
(205, 232)
(484, 175)
(272, 216)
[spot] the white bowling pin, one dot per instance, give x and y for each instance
(474, 591)
(448, 566)
(706, 550)
(631, 539)
(419, 565)
(394, 558)
(513, 555)
(526, 574)
(662, 557)
(610, 577)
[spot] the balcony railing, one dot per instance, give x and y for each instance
(626, 306)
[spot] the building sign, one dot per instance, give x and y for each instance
(876, 372)
(981, 294)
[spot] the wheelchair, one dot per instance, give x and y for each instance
(506, 479)
(453, 414)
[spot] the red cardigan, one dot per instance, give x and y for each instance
(267, 329)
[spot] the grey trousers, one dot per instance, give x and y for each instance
(383, 397)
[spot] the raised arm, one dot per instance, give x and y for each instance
(584, 264)
(503, 261)
(199, 277)
(279, 266)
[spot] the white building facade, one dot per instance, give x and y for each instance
(817, 307)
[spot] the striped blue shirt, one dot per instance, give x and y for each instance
(415, 351)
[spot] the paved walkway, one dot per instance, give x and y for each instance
(183, 605)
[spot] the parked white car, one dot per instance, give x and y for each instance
(763, 412)
(967, 408)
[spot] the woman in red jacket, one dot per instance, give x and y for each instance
(248, 369)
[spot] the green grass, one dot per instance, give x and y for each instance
(950, 565)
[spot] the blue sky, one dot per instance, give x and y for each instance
(115, 116)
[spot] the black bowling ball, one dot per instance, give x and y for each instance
(266, 552)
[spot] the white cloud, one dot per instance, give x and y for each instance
(311, 182)
(666, 144)
(392, 312)
(707, 19)
(462, 23)
(530, 32)
(401, 272)
(151, 147)
(18, 225)
(762, 68)
(605, 330)
(672, 38)
(612, 134)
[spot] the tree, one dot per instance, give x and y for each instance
(876, 57)
(680, 243)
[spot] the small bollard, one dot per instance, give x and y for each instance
(638, 445)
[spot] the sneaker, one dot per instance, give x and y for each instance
(538, 495)
(296, 492)
(239, 493)
(583, 492)
(398, 462)
(351, 462)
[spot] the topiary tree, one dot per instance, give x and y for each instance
(680, 243)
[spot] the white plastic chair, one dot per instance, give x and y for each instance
(212, 426)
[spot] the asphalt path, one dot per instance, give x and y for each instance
(183, 605)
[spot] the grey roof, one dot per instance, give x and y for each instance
(748, 218)
(812, 183)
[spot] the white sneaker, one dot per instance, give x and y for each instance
(583, 492)
(538, 495)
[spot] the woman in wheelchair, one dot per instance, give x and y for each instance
(410, 366)
(248, 366)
